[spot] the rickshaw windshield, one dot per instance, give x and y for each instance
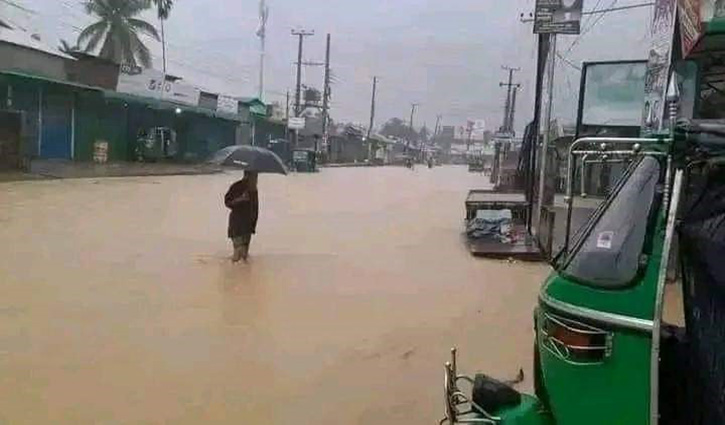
(609, 254)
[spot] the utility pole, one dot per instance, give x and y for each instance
(437, 127)
(372, 106)
(286, 117)
(413, 107)
(512, 109)
(301, 34)
(545, 197)
(326, 98)
(507, 125)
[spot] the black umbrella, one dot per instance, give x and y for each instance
(249, 158)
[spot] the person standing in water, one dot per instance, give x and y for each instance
(243, 201)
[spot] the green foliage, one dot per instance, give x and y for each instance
(117, 31)
(67, 48)
(396, 127)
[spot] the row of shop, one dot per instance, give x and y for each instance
(53, 119)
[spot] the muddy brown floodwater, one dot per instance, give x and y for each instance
(119, 304)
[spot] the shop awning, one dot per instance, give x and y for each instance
(165, 105)
(39, 79)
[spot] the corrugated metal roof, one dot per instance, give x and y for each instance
(25, 39)
(43, 79)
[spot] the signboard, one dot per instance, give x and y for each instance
(296, 123)
(613, 94)
(227, 104)
(558, 16)
(690, 21)
(658, 65)
(152, 83)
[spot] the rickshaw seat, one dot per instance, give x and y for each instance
(492, 394)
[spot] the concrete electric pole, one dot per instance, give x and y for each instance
(326, 99)
(372, 106)
(413, 107)
(301, 34)
(507, 125)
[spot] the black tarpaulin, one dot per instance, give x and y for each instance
(702, 244)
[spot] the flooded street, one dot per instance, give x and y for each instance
(120, 306)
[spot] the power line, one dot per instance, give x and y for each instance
(567, 61)
(594, 24)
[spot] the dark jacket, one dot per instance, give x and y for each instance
(243, 217)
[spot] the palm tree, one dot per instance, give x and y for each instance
(67, 48)
(163, 9)
(118, 29)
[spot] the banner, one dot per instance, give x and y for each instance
(558, 16)
(227, 104)
(662, 33)
(296, 123)
(690, 24)
(152, 83)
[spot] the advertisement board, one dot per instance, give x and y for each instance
(296, 123)
(661, 37)
(558, 16)
(152, 83)
(690, 21)
(227, 105)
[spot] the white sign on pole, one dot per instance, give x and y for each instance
(182, 93)
(227, 104)
(296, 123)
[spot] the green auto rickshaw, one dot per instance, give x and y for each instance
(304, 160)
(603, 353)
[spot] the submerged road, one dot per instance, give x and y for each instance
(119, 304)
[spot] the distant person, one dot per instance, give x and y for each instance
(243, 201)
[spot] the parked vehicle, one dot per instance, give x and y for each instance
(603, 353)
(304, 160)
(157, 144)
(496, 225)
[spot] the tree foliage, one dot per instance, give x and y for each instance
(67, 48)
(396, 127)
(163, 8)
(117, 31)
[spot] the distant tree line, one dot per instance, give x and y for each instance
(397, 127)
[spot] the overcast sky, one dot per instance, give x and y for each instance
(444, 54)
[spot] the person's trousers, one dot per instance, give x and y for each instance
(241, 246)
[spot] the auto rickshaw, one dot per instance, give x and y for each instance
(603, 354)
(158, 143)
(304, 160)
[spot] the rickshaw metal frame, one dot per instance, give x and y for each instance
(586, 161)
(672, 210)
(454, 397)
(574, 151)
